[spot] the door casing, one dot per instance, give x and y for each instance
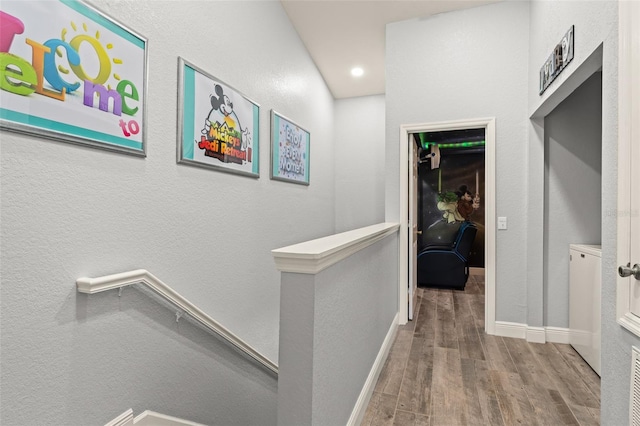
(628, 209)
(404, 278)
(413, 220)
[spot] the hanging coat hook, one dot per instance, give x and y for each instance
(119, 291)
(178, 315)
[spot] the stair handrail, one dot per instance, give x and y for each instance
(142, 276)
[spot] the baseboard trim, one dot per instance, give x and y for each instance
(511, 329)
(124, 419)
(476, 271)
(369, 385)
(536, 335)
(149, 418)
(557, 335)
(532, 334)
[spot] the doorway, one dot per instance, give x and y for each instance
(572, 193)
(451, 166)
(408, 151)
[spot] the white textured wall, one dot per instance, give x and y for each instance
(333, 325)
(573, 190)
(596, 23)
(465, 65)
(359, 162)
(360, 292)
(70, 211)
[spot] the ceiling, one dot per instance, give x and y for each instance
(342, 34)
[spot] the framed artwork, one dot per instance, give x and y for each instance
(289, 150)
(218, 127)
(71, 73)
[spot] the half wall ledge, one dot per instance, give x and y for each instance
(313, 256)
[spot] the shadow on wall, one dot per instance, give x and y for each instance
(131, 352)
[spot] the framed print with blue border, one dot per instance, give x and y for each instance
(218, 127)
(71, 73)
(290, 145)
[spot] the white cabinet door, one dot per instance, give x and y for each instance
(584, 303)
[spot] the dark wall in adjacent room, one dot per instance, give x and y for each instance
(457, 167)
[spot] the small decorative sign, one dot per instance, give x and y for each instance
(71, 73)
(218, 127)
(289, 150)
(557, 61)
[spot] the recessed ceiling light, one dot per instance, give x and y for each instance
(357, 72)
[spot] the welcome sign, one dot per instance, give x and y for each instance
(70, 73)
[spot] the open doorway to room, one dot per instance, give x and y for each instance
(414, 156)
(573, 218)
(450, 208)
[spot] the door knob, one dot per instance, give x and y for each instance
(419, 232)
(626, 271)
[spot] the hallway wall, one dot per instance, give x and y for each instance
(70, 211)
(359, 161)
(596, 26)
(462, 65)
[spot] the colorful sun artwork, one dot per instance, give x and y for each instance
(104, 60)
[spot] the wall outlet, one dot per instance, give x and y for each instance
(502, 222)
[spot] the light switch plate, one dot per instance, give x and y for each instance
(502, 222)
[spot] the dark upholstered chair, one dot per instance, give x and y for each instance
(443, 262)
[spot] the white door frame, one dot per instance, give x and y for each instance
(628, 146)
(490, 208)
(413, 233)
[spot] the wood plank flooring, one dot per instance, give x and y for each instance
(444, 370)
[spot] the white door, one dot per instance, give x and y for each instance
(413, 228)
(634, 175)
(634, 181)
(628, 297)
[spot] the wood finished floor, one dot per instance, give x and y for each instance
(444, 370)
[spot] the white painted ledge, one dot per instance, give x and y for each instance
(313, 256)
(141, 276)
